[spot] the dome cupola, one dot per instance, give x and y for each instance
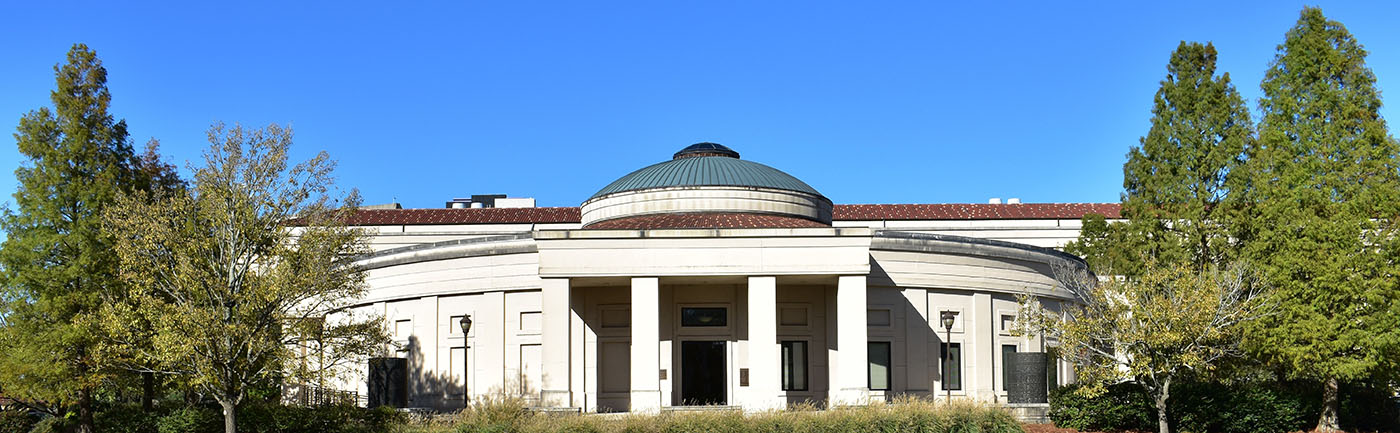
(705, 149)
(707, 178)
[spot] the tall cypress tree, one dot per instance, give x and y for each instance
(1174, 181)
(1322, 191)
(57, 263)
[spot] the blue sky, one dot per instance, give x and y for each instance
(870, 102)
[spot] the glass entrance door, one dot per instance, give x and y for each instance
(702, 373)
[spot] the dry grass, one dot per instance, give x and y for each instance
(905, 415)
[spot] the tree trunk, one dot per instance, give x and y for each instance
(228, 416)
(148, 385)
(85, 423)
(1331, 402)
(1163, 393)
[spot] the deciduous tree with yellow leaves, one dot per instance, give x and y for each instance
(229, 277)
(1169, 321)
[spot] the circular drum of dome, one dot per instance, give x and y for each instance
(707, 178)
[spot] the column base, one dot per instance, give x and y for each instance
(849, 397)
(645, 402)
(555, 398)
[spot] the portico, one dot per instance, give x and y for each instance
(707, 325)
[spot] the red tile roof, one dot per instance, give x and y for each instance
(371, 217)
(842, 212)
(717, 220)
(971, 211)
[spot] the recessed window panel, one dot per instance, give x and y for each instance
(1006, 349)
(952, 366)
(704, 316)
(877, 317)
(879, 356)
(794, 366)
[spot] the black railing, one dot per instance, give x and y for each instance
(312, 395)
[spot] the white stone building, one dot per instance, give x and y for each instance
(711, 280)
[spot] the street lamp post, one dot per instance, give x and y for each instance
(466, 324)
(948, 318)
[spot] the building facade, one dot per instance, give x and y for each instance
(707, 279)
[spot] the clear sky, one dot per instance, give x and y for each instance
(869, 102)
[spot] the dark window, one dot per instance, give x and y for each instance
(952, 366)
(695, 316)
(1006, 369)
(1052, 371)
(794, 366)
(879, 374)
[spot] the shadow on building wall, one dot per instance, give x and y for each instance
(442, 388)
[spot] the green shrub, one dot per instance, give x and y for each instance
(16, 421)
(260, 417)
(1123, 406)
(125, 418)
(54, 424)
(191, 420)
(1251, 407)
(1241, 408)
(1368, 407)
(383, 418)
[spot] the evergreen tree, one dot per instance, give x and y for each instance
(1175, 181)
(57, 262)
(1182, 316)
(1321, 193)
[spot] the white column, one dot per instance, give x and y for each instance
(576, 350)
(488, 349)
(916, 338)
(646, 335)
(980, 347)
(554, 302)
(849, 384)
(765, 371)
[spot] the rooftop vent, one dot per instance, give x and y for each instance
(994, 200)
(490, 200)
(1013, 200)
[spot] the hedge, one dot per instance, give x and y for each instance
(1262, 407)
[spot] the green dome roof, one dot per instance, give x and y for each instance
(687, 170)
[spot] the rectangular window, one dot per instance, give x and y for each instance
(1052, 370)
(879, 374)
(952, 366)
(1006, 369)
(794, 366)
(707, 316)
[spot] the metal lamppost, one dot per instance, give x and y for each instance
(948, 318)
(466, 324)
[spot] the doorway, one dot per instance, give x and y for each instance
(702, 373)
